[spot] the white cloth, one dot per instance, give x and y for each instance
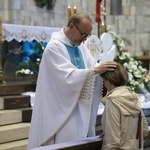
(32, 97)
(62, 105)
(27, 33)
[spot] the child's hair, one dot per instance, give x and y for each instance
(118, 77)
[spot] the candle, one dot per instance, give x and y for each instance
(69, 12)
(74, 10)
(102, 28)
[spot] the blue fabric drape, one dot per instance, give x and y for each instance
(76, 56)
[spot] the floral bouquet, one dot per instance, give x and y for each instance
(138, 75)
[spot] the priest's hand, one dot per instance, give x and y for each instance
(107, 66)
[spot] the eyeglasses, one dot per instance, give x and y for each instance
(83, 35)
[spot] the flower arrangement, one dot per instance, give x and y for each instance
(118, 40)
(31, 67)
(24, 72)
(138, 79)
(137, 74)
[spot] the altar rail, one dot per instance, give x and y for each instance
(94, 143)
(91, 143)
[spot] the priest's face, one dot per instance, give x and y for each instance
(81, 32)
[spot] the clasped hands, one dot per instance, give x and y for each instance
(106, 66)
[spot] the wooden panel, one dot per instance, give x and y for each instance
(26, 114)
(16, 101)
(15, 89)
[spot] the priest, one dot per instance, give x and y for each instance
(68, 87)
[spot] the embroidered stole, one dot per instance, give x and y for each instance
(76, 56)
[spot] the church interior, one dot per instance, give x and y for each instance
(121, 32)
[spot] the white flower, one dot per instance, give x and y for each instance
(25, 71)
(38, 59)
(137, 74)
(130, 76)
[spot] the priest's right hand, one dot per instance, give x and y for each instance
(107, 66)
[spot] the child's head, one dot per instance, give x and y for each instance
(118, 77)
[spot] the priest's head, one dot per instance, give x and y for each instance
(79, 28)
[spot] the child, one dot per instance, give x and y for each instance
(123, 122)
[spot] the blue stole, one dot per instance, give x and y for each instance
(76, 56)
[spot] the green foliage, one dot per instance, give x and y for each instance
(137, 73)
(49, 4)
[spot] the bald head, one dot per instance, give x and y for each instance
(79, 28)
(79, 17)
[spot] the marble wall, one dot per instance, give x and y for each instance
(132, 23)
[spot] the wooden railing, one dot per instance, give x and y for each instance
(91, 143)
